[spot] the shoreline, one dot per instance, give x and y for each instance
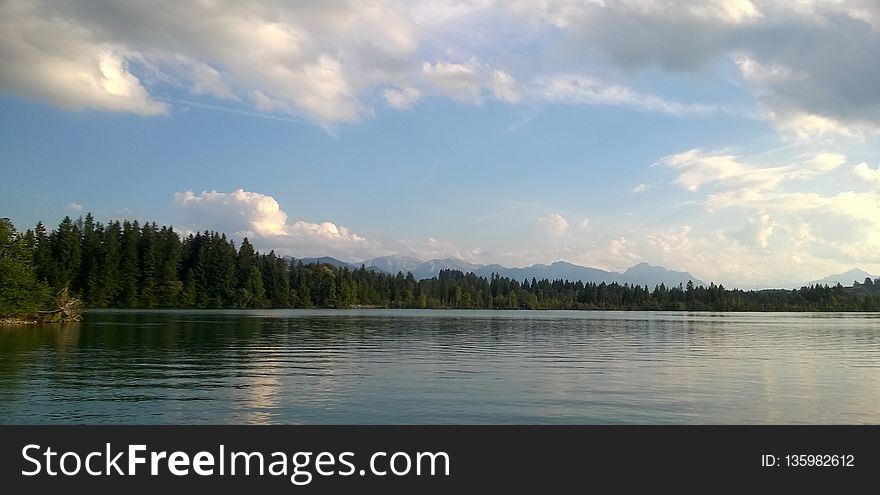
(11, 320)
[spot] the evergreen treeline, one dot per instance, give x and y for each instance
(129, 265)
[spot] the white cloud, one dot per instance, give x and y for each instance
(266, 103)
(327, 61)
(504, 87)
(552, 225)
(866, 173)
(470, 82)
(790, 117)
(260, 218)
(75, 206)
(758, 231)
(731, 11)
(805, 60)
(461, 82)
(620, 248)
(401, 98)
(697, 169)
(580, 89)
(640, 188)
(313, 59)
(794, 210)
(208, 80)
(823, 162)
(673, 240)
(431, 248)
(446, 11)
(53, 59)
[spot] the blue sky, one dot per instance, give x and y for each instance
(736, 140)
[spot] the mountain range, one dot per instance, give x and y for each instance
(845, 278)
(640, 274)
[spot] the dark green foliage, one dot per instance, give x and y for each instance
(132, 266)
(170, 251)
(129, 269)
(66, 253)
(21, 292)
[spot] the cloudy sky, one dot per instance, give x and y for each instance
(735, 139)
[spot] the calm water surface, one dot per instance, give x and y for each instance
(378, 366)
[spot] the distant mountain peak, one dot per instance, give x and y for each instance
(846, 278)
(642, 273)
(646, 274)
(395, 257)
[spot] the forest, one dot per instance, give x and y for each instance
(131, 265)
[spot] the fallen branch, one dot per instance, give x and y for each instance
(69, 309)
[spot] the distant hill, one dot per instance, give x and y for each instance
(846, 278)
(420, 269)
(641, 274)
(557, 270)
(394, 264)
(645, 274)
(326, 260)
(431, 268)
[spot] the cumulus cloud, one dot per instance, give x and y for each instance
(325, 61)
(640, 188)
(312, 59)
(804, 60)
(792, 105)
(870, 175)
(671, 240)
(552, 225)
(621, 247)
(75, 206)
(61, 61)
(813, 222)
(259, 217)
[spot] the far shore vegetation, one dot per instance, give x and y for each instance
(49, 276)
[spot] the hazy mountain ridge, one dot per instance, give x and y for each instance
(846, 278)
(645, 274)
(553, 271)
(639, 274)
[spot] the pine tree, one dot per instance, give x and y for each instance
(170, 253)
(42, 253)
(65, 242)
(104, 290)
(21, 293)
(149, 258)
(90, 246)
(129, 269)
(246, 264)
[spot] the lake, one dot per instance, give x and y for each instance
(446, 367)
